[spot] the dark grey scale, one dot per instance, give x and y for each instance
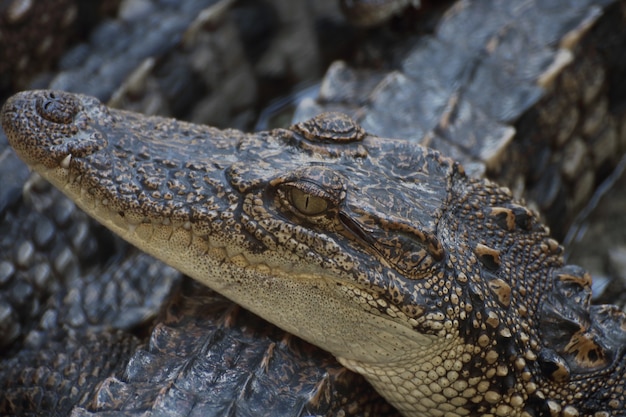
(512, 217)
(236, 363)
(553, 366)
(550, 193)
(60, 268)
(43, 234)
(523, 217)
(581, 339)
(117, 47)
(489, 257)
(128, 293)
(59, 280)
(503, 217)
(557, 327)
(22, 290)
(34, 35)
(561, 315)
(477, 296)
(44, 381)
(608, 317)
(537, 407)
(371, 13)
(573, 283)
(193, 60)
(500, 289)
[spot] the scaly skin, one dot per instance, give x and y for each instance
(443, 291)
(374, 12)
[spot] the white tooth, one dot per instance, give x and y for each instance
(65, 163)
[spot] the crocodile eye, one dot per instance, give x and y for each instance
(307, 204)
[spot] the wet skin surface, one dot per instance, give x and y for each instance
(380, 251)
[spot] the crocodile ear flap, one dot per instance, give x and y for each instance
(583, 338)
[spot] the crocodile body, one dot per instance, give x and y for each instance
(378, 108)
(442, 290)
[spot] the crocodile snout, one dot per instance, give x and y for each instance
(50, 127)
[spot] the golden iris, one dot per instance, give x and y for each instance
(306, 203)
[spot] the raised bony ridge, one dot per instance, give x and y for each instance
(445, 292)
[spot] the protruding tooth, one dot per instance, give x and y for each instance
(65, 163)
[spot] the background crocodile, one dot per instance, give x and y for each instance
(33, 35)
(551, 139)
(198, 62)
(609, 25)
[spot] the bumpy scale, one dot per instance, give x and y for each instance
(448, 295)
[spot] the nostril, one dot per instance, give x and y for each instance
(57, 108)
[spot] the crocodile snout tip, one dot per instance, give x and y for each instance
(45, 126)
(51, 106)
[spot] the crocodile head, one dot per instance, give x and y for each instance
(446, 293)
